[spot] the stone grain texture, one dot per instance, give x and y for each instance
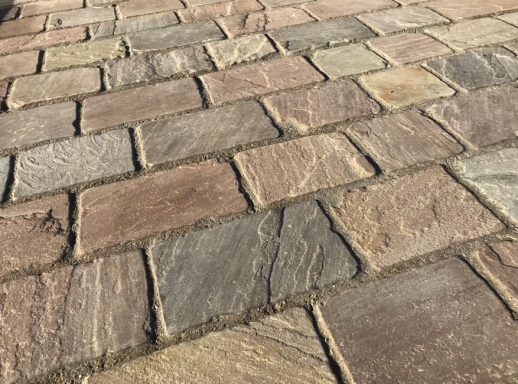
(141, 7)
(22, 26)
(205, 131)
(325, 9)
(72, 314)
(42, 40)
(439, 324)
(234, 51)
(405, 139)
(4, 173)
(66, 163)
(479, 68)
(49, 6)
(414, 215)
(212, 11)
(281, 349)
(18, 64)
(81, 16)
(482, 119)
(281, 3)
(133, 24)
(501, 261)
(462, 9)
(495, 175)
(511, 18)
(332, 102)
(137, 208)
(305, 165)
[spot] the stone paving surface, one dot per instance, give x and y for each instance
(259, 191)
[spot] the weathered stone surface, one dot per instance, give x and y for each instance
(54, 85)
(72, 314)
(22, 26)
(18, 64)
(501, 261)
(513, 46)
(409, 47)
(260, 79)
(409, 138)
(80, 16)
(81, 54)
(140, 103)
(412, 216)
(205, 131)
(234, 51)
(405, 86)
(332, 102)
(175, 36)
(320, 34)
(326, 9)
(437, 324)
(33, 234)
(44, 123)
(42, 40)
(66, 163)
(49, 6)
(495, 175)
(134, 24)
(158, 65)
(196, 3)
(511, 18)
(482, 119)
(461, 9)
(137, 208)
(474, 33)
(282, 3)
(305, 165)
(480, 68)
(281, 349)
(347, 60)
(141, 7)
(212, 11)
(4, 173)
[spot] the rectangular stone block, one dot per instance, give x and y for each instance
(213, 11)
(22, 26)
(48, 6)
(133, 24)
(463, 9)
(133, 209)
(326, 9)
(18, 64)
(206, 131)
(305, 165)
(81, 16)
(42, 40)
(142, 7)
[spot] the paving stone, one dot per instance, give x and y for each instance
(140, 103)
(495, 175)
(212, 11)
(134, 24)
(501, 260)
(42, 40)
(401, 87)
(474, 33)
(81, 16)
(412, 216)
(226, 53)
(282, 3)
(71, 315)
(511, 18)
(326, 9)
(141, 7)
(405, 139)
(333, 102)
(4, 173)
(260, 79)
(264, 21)
(306, 165)
(66, 163)
(409, 47)
(436, 324)
(315, 35)
(480, 68)
(20, 128)
(513, 46)
(347, 60)
(137, 208)
(33, 234)
(22, 26)
(175, 36)
(49, 6)
(462, 9)
(281, 349)
(205, 131)
(19, 64)
(482, 119)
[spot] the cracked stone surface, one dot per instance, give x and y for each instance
(133, 24)
(249, 48)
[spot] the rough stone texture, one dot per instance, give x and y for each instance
(495, 175)
(20, 128)
(394, 20)
(305, 165)
(212, 11)
(18, 64)
(175, 36)
(330, 103)
(281, 349)
(33, 234)
(440, 324)
(205, 131)
(22, 26)
(480, 68)
(72, 314)
(513, 46)
(326, 9)
(501, 261)
(321, 34)
(4, 173)
(347, 60)
(134, 24)
(474, 33)
(81, 16)
(511, 18)
(82, 54)
(234, 51)
(137, 208)
(66, 163)
(412, 216)
(49, 86)
(405, 139)
(405, 86)
(49, 6)
(461, 9)
(42, 40)
(260, 79)
(141, 7)
(140, 103)
(409, 47)
(482, 119)
(281, 3)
